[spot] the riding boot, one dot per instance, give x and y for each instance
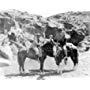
(40, 52)
(54, 51)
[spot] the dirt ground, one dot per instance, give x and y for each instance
(32, 69)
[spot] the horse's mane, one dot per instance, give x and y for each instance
(3, 55)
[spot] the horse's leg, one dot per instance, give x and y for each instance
(75, 62)
(20, 64)
(60, 67)
(23, 67)
(42, 59)
(20, 69)
(23, 61)
(59, 63)
(41, 65)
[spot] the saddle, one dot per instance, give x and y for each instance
(35, 51)
(31, 53)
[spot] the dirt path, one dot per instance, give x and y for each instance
(32, 69)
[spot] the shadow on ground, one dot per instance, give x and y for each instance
(45, 73)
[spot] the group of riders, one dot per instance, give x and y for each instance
(17, 37)
(38, 41)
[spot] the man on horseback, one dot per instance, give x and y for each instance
(51, 40)
(36, 44)
(62, 36)
(67, 44)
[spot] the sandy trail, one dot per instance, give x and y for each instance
(32, 69)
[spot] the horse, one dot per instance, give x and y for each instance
(22, 52)
(22, 55)
(47, 50)
(31, 54)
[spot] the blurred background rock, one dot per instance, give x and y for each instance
(30, 24)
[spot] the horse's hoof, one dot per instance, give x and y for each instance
(21, 73)
(59, 72)
(41, 72)
(75, 67)
(24, 72)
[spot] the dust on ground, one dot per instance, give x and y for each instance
(32, 69)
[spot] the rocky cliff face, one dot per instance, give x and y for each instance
(80, 20)
(37, 24)
(30, 23)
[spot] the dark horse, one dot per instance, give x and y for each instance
(47, 50)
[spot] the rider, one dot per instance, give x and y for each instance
(52, 41)
(49, 40)
(65, 37)
(70, 45)
(36, 44)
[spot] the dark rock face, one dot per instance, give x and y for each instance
(67, 25)
(50, 31)
(59, 35)
(76, 38)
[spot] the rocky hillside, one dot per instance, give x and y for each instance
(32, 24)
(28, 22)
(80, 20)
